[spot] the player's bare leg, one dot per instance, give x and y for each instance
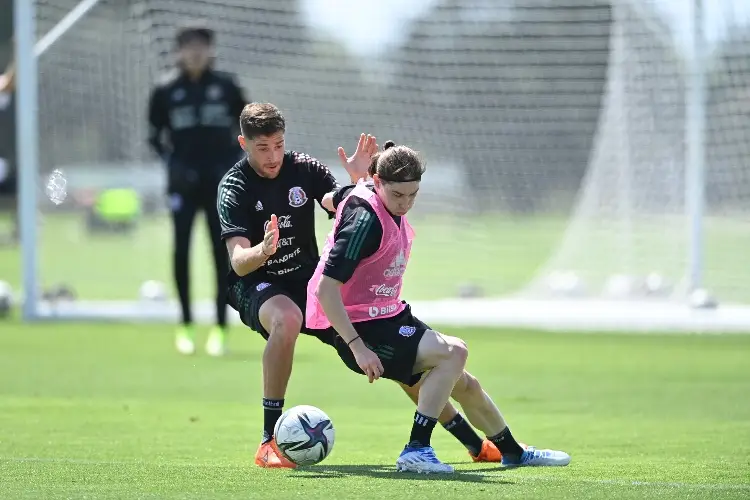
(282, 319)
(484, 414)
(480, 450)
(444, 359)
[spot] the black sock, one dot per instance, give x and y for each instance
(507, 444)
(461, 429)
(421, 430)
(272, 410)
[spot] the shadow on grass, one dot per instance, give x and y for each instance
(389, 472)
(256, 356)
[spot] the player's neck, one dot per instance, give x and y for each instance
(196, 74)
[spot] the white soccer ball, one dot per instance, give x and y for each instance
(6, 299)
(304, 434)
(700, 298)
(153, 290)
(565, 284)
(657, 285)
(620, 286)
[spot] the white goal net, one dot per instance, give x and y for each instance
(554, 132)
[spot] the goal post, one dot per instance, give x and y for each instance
(28, 49)
(642, 228)
(28, 146)
(695, 139)
(587, 154)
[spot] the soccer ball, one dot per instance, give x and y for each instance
(304, 434)
(153, 291)
(6, 299)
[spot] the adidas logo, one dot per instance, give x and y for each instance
(397, 267)
(258, 206)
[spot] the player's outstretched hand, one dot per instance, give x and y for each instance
(367, 360)
(271, 238)
(357, 164)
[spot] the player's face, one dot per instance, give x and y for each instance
(398, 197)
(195, 55)
(265, 152)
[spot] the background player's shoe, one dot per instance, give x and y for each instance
(421, 460)
(489, 453)
(216, 344)
(269, 456)
(184, 340)
(532, 457)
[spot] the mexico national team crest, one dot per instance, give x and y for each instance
(213, 92)
(297, 197)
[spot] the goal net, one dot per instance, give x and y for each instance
(554, 133)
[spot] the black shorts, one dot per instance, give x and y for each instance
(247, 297)
(395, 340)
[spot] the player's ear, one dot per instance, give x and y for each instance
(241, 140)
(376, 181)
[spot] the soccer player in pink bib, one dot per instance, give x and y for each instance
(355, 293)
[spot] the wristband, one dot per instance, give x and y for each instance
(352, 340)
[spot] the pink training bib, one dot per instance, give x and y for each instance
(375, 288)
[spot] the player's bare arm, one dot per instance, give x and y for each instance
(245, 257)
(329, 295)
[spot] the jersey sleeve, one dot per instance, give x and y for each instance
(158, 121)
(323, 181)
(341, 193)
(231, 203)
(357, 237)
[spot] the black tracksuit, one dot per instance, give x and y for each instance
(193, 127)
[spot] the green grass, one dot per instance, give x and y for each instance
(496, 252)
(110, 411)
(114, 266)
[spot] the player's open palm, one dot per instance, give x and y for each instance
(368, 361)
(357, 164)
(271, 238)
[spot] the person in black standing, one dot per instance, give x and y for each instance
(8, 168)
(193, 116)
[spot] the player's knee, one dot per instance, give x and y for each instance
(285, 327)
(458, 351)
(437, 349)
(467, 388)
(454, 350)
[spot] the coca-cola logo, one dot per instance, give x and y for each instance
(384, 290)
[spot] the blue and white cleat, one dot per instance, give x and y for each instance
(421, 460)
(532, 457)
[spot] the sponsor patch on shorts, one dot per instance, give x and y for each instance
(262, 286)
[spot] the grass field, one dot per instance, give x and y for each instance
(498, 253)
(111, 266)
(110, 411)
